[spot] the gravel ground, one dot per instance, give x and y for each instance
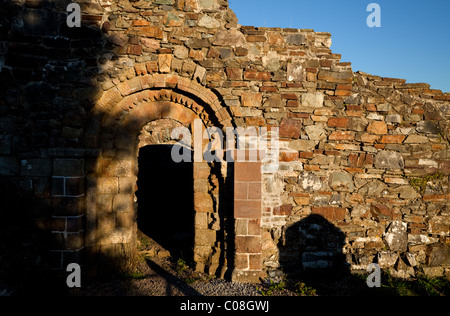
(161, 277)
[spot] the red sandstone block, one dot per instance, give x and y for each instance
(297, 115)
(292, 103)
(343, 92)
(140, 23)
(247, 171)
(380, 210)
(344, 87)
(257, 75)
(268, 89)
(354, 170)
(247, 209)
(241, 261)
(392, 139)
(254, 191)
(251, 99)
(290, 128)
(241, 190)
(342, 136)
(338, 122)
(255, 262)
(332, 214)
(436, 197)
(254, 227)
(284, 210)
(255, 121)
(234, 73)
(248, 244)
(289, 96)
(306, 154)
(289, 156)
(311, 167)
(325, 63)
(256, 38)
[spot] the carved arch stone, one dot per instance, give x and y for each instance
(113, 131)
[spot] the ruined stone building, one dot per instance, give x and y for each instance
(86, 136)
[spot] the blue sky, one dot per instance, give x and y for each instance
(412, 43)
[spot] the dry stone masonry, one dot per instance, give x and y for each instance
(362, 171)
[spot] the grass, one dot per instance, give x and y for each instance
(420, 183)
(422, 286)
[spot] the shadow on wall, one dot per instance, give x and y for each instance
(24, 242)
(311, 250)
(48, 77)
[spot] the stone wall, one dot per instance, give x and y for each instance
(361, 157)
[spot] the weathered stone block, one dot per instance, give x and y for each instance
(248, 244)
(332, 214)
(392, 139)
(338, 122)
(428, 127)
(342, 135)
(68, 167)
(295, 72)
(381, 211)
(247, 209)
(35, 167)
(296, 39)
(389, 160)
(396, 236)
(290, 128)
(251, 99)
(302, 145)
(377, 128)
(9, 166)
(416, 139)
(312, 99)
(316, 132)
(341, 181)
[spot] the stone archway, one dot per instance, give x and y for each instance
(112, 135)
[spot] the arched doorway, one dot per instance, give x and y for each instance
(165, 199)
(115, 128)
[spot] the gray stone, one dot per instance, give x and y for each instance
(310, 182)
(168, 2)
(295, 71)
(312, 100)
(358, 124)
(36, 167)
(411, 258)
(389, 160)
(396, 236)
(416, 139)
(355, 98)
(232, 38)
(359, 210)
(341, 181)
(296, 39)
(5, 144)
(208, 4)
(373, 188)
(421, 239)
(408, 192)
(387, 259)
(316, 132)
(302, 145)
(181, 52)
(393, 118)
(208, 22)
(9, 166)
(428, 127)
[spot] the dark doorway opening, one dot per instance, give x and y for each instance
(166, 200)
